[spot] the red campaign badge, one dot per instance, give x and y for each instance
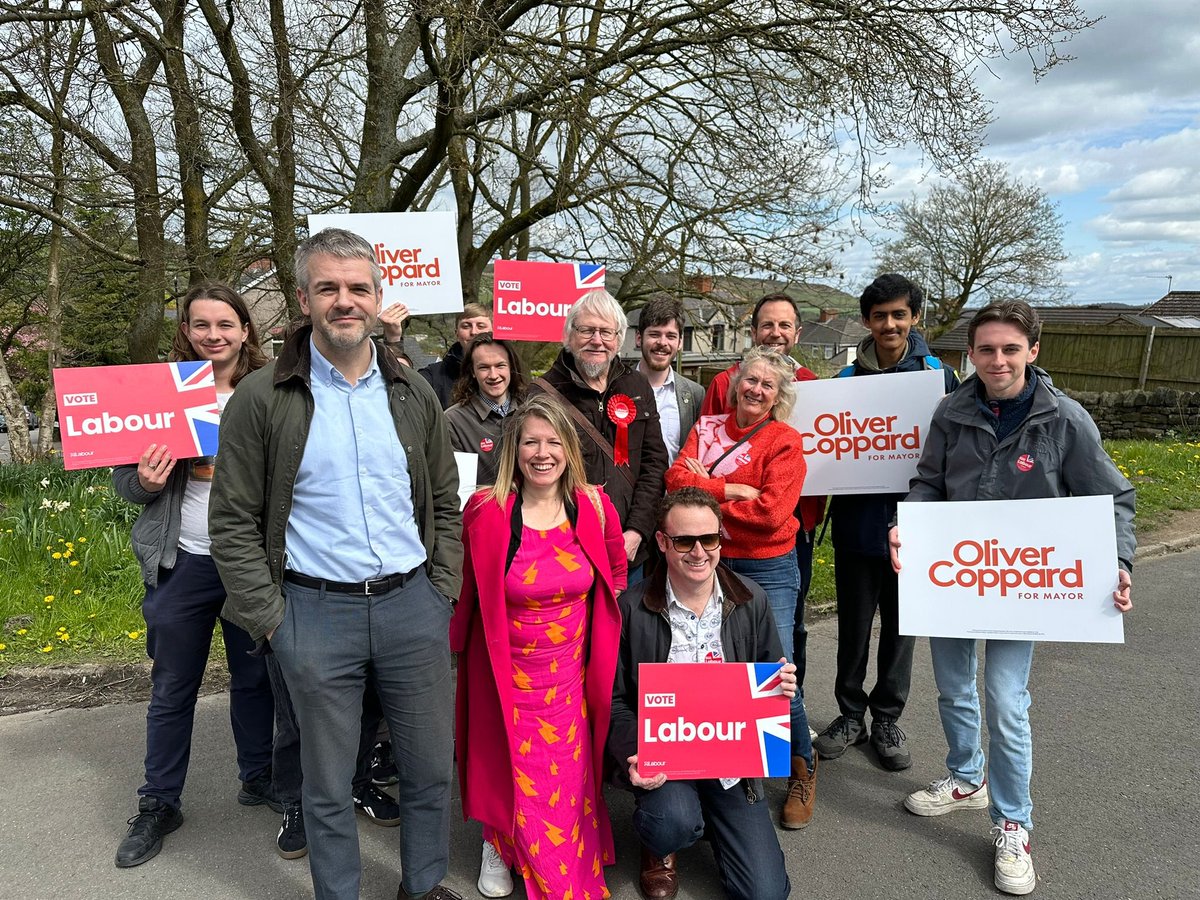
(486, 445)
(743, 458)
(621, 412)
(713, 656)
(1025, 462)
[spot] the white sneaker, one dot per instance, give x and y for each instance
(946, 795)
(494, 878)
(1014, 865)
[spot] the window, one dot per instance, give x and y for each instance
(688, 331)
(718, 338)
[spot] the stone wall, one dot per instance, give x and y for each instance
(1143, 414)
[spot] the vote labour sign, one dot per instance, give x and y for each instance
(417, 254)
(532, 298)
(1029, 570)
(713, 720)
(864, 435)
(109, 415)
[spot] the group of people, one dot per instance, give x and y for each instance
(624, 515)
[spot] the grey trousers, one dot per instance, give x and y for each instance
(326, 646)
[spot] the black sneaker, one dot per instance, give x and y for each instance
(889, 742)
(377, 806)
(439, 892)
(155, 819)
(842, 732)
(292, 842)
(383, 765)
(258, 791)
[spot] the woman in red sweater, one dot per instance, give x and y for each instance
(750, 460)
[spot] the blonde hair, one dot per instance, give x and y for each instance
(782, 366)
(508, 473)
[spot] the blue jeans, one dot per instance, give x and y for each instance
(779, 578)
(675, 816)
(328, 646)
(181, 613)
(1010, 744)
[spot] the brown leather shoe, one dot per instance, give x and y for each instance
(801, 794)
(659, 880)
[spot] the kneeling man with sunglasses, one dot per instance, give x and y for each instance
(693, 609)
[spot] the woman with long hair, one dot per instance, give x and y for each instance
(184, 595)
(490, 387)
(537, 630)
(751, 461)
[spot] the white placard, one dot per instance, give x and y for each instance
(468, 474)
(864, 435)
(417, 254)
(1029, 570)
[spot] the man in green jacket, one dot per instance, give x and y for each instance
(336, 530)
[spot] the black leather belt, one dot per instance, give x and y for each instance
(365, 588)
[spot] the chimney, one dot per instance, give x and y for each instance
(828, 314)
(701, 284)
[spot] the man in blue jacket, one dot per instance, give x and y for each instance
(890, 306)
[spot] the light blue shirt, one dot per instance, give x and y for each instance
(352, 508)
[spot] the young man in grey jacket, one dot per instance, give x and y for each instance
(1006, 434)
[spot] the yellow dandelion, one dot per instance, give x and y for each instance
(74, 562)
(46, 649)
(49, 598)
(91, 615)
(1141, 471)
(61, 629)
(3, 646)
(134, 635)
(22, 631)
(77, 592)
(65, 636)
(82, 540)
(56, 555)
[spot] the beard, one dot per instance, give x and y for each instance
(342, 338)
(592, 370)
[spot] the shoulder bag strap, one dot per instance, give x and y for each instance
(755, 430)
(588, 428)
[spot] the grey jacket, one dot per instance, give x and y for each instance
(155, 534)
(263, 432)
(963, 461)
(690, 396)
(471, 423)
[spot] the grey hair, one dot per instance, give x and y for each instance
(782, 367)
(601, 303)
(335, 242)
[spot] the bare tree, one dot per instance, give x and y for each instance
(988, 237)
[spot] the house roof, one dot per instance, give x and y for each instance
(1177, 304)
(1093, 314)
(839, 332)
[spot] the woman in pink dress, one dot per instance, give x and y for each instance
(537, 630)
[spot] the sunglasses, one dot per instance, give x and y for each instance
(683, 543)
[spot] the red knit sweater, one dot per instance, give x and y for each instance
(716, 401)
(771, 461)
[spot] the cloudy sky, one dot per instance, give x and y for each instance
(1113, 138)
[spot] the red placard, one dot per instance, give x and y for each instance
(706, 720)
(531, 299)
(109, 415)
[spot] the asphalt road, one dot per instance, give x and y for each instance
(1116, 791)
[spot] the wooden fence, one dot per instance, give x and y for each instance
(1120, 357)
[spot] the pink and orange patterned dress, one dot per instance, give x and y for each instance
(556, 847)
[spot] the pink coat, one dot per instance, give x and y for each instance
(479, 634)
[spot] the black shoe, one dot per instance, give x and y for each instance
(258, 791)
(155, 819)
(383, 766)
(292, 842)
(377, 806)
(842, 732)
(889, 742)
(438, 892)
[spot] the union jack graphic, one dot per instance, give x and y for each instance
(193, 376)
(774, 732)
(588, 276)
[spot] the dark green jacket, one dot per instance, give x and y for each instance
(263, 431)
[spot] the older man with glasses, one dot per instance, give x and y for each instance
(613, 409)
(696, 610)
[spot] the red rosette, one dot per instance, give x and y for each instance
(621, 412)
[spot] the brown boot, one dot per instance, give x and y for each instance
(801, 794)
(659, 880)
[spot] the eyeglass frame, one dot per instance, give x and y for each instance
(714, 536)
(608, 335)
